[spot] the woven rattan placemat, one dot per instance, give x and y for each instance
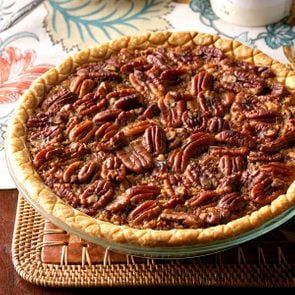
(46, 255)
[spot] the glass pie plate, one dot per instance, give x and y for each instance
(159, 252)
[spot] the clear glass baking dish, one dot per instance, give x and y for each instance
(159, 252)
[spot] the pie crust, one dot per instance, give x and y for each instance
(53, 206)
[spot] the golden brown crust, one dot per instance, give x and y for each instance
(50, 203)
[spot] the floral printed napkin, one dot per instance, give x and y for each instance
(59, 27)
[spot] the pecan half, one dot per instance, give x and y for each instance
(235, 138)
(201, 81)
(65, 191)
(156, 88)
(128, 102)
(106, 131)
(242, 80)
(82, 86)
(142, 192)
(230, 165)
(151, 111)
(154, 140)
(73, 121)
(263, 130)
(117, 94)
(136, 64)
(214, 215)
(278, 169)
(138, 81)
(174, 188)
(274, 146)
(114, 142)
(136, 128)
(221, 151)
(106, 116)
(198, 143)
(82, 132)
(46, 154)
(283, 141)
(173, 202)
(48, 133)
(262, 157)
(265, 189)
(113, 169)
(88, 171)
(188, 219)
(204, 174)
(76, 84)
(232, 202)
(102, 90)
(70, 174)
(211, 52)
(175, 159)
(202, 198)
(216, 124)
(209, 104)
(136, 158)
(55, 102)
(194, 120)
(191, 175)
(98, 194)
(89, 105)
(179, 94)
(153, 74)
(262, 114)
(171, 112)
(119, 204)
(126, 117)
(249, 80)
(41, 119)
(76, 150)
(172, 76)
(182, 56)
(144, 212)
(244, 75)
(103, 75)
(159, 60)
(229, 184)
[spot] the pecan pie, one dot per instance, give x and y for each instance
(163, 139)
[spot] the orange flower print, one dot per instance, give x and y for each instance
(17, 72)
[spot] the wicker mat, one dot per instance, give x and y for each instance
(46, 255)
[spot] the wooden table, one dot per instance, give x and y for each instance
(10, 282)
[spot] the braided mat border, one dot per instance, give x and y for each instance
(111, 269)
